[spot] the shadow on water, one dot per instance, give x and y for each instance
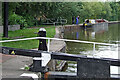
(102, 32)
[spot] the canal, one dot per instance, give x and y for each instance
(106, 33)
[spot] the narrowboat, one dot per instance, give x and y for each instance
(91, 22)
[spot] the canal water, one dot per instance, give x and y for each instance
(103, 33)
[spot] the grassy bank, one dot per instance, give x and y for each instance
(26, 33)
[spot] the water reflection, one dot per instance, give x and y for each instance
(100, 27)
(77, 35)
(98, 33)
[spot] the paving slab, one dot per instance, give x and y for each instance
(11, 66)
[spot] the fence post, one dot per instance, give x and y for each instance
(48, 45)
(42, 42)
(93, 49)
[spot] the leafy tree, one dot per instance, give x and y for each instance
(28, 13)
(115, 10)
(106, 11)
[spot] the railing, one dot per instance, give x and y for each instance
(88, 67)
(62, 21)
(58, 21)
(68, 40)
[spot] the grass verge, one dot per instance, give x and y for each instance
(26, 33)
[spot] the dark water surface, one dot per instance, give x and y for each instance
(103, 33)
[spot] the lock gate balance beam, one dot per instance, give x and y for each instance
(100, 67)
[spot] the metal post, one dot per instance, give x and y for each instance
(54, 23)
(5, 31)
(93, 49)
(48, 46)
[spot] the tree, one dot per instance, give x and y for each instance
(27, 12)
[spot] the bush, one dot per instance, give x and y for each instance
(16, 19)
(30, 20)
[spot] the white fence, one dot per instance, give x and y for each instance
(68, 40)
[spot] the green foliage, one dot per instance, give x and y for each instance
(16, 19)
(27, 13)
(115, 10)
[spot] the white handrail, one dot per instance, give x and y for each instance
(94, 43)
(57, 39)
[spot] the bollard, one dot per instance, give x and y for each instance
(37, 61)
(37, 67)
(42, 42)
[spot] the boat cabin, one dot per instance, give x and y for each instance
(94, 21)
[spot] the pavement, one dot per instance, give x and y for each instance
(11, 65)
(4, 58)
(56, 45)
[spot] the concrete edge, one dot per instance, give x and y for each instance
(52, 64)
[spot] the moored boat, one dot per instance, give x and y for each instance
(91, 22)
